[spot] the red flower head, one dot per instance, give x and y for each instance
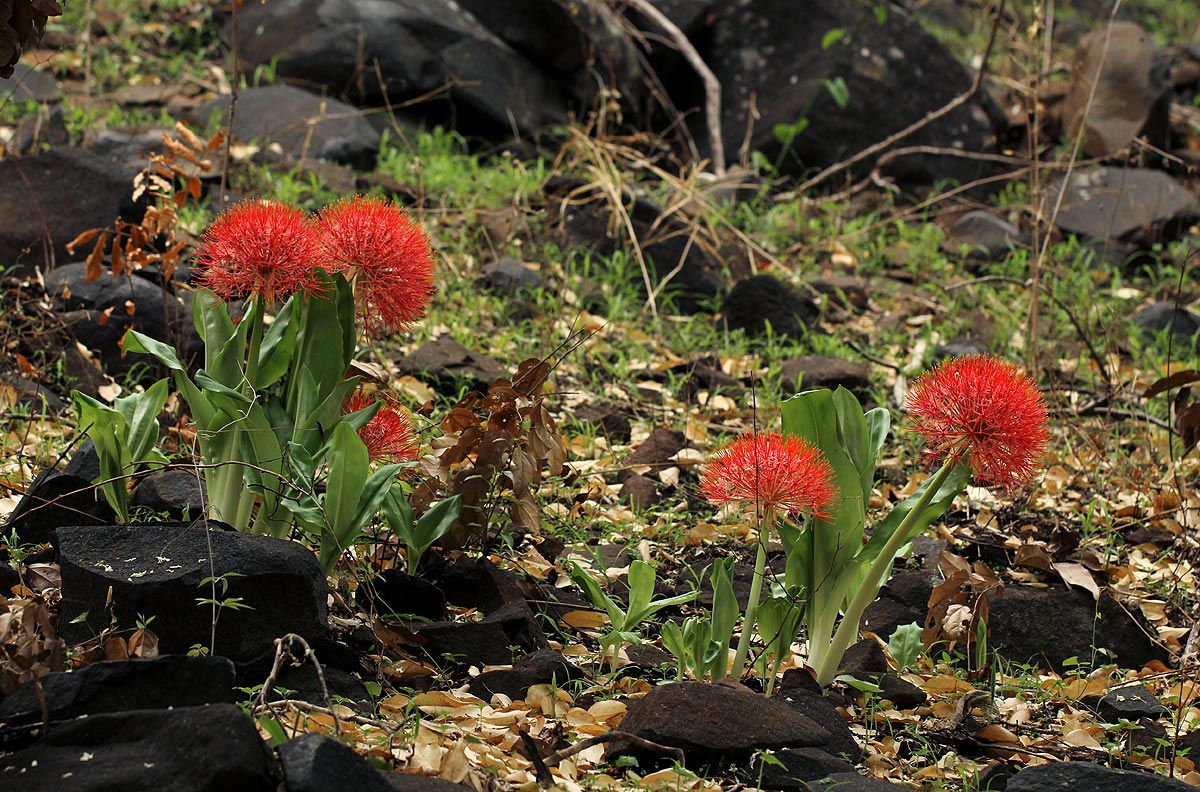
(262, 248)
(390, 434)
(985, 411)
(385, 254)
(774, 471)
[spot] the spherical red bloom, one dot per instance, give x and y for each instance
(773, 471)
(385, 254)
(390, 434)
(984, 411)
(259, 247)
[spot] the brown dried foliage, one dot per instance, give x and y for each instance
(1185, 407)
(29, 646)
(497, 447)
(171, 179)
(960, 603)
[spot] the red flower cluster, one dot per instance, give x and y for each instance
(385, 254)
(259, 248)
(263, 248)
(982, 410)
(390, 434)
(774, 471)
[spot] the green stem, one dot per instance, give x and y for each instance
(256, 338)
(748, 623)
(868, 588)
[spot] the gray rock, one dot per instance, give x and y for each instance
(1060, 776)
(214, 748)
(762, 300)
(306, 125)
(419, 47)
(716, 723)
(1118, 202)
(985, 235)
(655, 451)
(1130, 703)
(86, 305)
(817, 707)
(1047, 626)
(815, 371)
(122, 685)
(793, 768)
(319, 763)
(509, 276)
(56, 499)
(48, 200)
(444, 361)
(1120, 87)
(697, 274)
(541, 667)
(156, 570)
(28, 83)
(1160, 317)
(771, 53)
(640, 492)
(176, 492)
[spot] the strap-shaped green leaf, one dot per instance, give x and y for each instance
(278, 345)
(349, 467)
(141, 412)
(106, 428)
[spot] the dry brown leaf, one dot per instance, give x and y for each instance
(1076, 575)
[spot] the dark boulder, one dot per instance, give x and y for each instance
(49, 199)
(716, 723)
(819, 102)
(145, 571)
(121, 685)
(213, 748)
(306, 125)
(385, 53)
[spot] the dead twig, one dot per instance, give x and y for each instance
(283, 651)
(712, 86)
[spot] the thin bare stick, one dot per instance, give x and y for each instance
(283, 650)
(234, 85)
(712, 86)
(920, 123)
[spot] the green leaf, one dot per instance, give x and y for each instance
(831, 37)
(133, 341)
(860, 685)
(435, 523)
(905, 645)
(278, 345)
(954, 484)
(349, 466)
(641, 589)
(786, 133)
(838, 90)
(596, 594)
(106, 428)
(141, 420)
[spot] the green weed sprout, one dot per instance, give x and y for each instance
(625, 623)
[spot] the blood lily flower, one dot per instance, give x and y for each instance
(259, 248)
(983, 411)
(385, 254)
(776, 472)
(389, 435)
